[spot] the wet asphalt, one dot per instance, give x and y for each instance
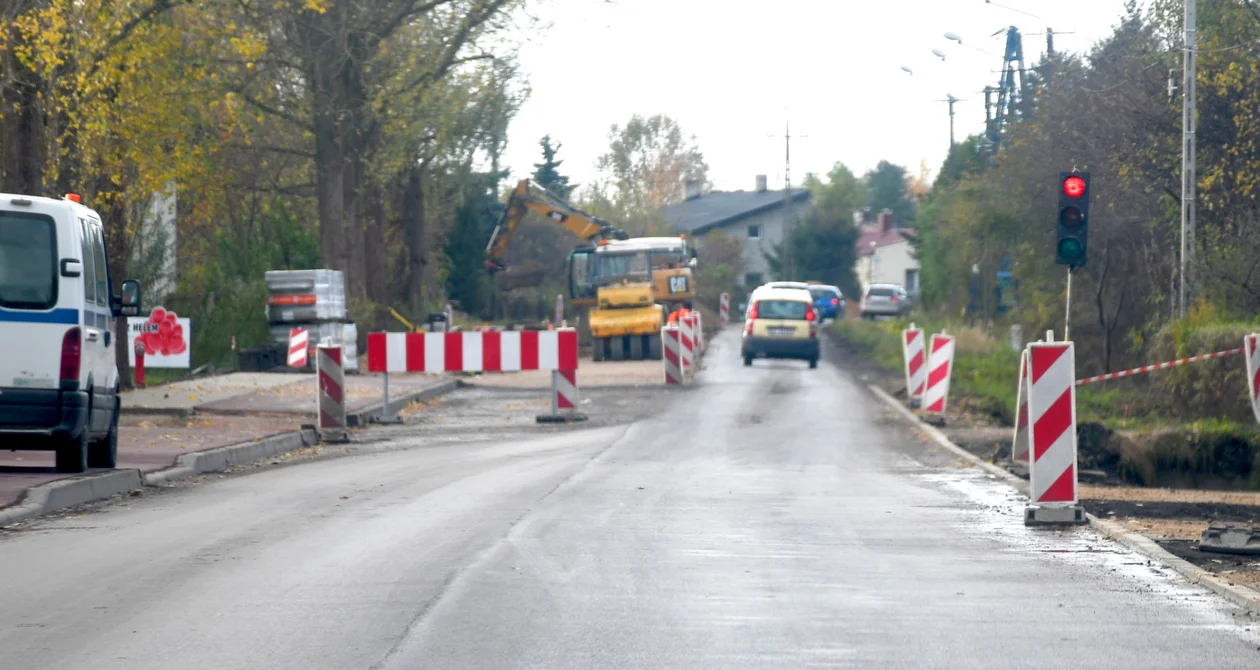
(768, 517)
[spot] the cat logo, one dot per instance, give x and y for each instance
(677, 284)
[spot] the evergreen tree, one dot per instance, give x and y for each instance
(475, 218)
(547, 173)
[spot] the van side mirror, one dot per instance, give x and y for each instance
(129, 304)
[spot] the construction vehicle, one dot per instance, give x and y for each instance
(625, 282)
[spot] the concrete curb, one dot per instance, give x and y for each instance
(215, 460)
(1245, 598)
(364, 416)
(45, 498)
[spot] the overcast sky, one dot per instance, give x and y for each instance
(734, 72)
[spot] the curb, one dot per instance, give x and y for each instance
(1247, 599)
(364, 416)
(62, 493)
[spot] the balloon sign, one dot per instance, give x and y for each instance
(164, 336)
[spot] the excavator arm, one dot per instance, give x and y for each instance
(529, 196)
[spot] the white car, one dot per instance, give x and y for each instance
(58, 377)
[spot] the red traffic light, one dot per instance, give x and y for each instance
(1074, 187)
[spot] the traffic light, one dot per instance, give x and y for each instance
(1073, 219)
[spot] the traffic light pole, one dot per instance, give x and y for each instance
(1067, 313)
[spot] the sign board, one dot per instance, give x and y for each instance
(167, 339)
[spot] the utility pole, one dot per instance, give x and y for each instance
(951, 100)
(1188, 186)
(787, 186)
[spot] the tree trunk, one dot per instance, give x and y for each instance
(414, 225)
(377, 260)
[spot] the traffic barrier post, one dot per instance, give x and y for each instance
(299, 340)
(940, 365)
(332, 396)
(671, 343)
(1252, 344)
(724, 309)
(1052, 429)
(564, 398)
(916, 364)
(139, 369)
(1019, 444)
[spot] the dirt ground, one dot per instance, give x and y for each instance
(1173, 518)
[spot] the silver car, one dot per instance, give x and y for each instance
(885, 300)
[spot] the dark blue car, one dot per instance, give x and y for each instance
(828, 301)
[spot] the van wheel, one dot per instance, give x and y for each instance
(813, 363)
(104, 452)
(72, 455)
(747, 361)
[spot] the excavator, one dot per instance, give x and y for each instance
(625, 282)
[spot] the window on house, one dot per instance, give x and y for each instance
(912, 280)
(752, 279)
(754, 232)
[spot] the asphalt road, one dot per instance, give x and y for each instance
(769, 517)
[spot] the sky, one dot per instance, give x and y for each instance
(733, 73)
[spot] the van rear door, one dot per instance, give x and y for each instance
(32, 323)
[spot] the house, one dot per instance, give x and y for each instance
(884, 255)
(760, 217)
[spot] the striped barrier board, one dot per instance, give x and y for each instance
(332, 401)
(671, 340)
(486, 351)
(687, 352)
(299, 340)
(940, 365)
(1052, 422)
(916, 368)
(724, 309)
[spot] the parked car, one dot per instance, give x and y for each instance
(58, 377)
(885, 300)
(780, 324)
(828, 301)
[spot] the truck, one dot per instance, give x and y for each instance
(627, 283)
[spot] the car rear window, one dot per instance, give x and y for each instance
(824, 292)
(28, 261)
(881, 291)
(781, 309)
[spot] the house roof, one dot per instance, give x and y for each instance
(881, 238)
(712, 210)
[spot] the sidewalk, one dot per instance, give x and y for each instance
(161, 424)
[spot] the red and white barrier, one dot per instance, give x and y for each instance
(1252, 344)
(687, 335)
(940, 365)
(724, 309)
(299, 341)
(332, 400)
(698, 323)
(916, 363)
(671, 348)
(486, 351)
(1052, 417)
(1019, 445)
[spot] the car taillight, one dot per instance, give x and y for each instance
(748, 328)
(752, 311)
(809, 314)
(71, 354)
(895, 298)
(835, 301)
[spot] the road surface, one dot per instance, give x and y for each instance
(772, 516)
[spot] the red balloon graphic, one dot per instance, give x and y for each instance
(159, 314)
(163, 335)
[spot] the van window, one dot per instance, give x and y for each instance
(102, 273)
(781, 309)
(89, 263)
(28, 261)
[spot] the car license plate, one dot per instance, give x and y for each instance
(781, 331)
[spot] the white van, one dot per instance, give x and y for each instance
(58, 376)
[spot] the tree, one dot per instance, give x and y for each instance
(822, 247)
(647, 164)
(887, 184)
(547, 173)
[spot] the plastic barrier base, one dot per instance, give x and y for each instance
(1065, 515)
